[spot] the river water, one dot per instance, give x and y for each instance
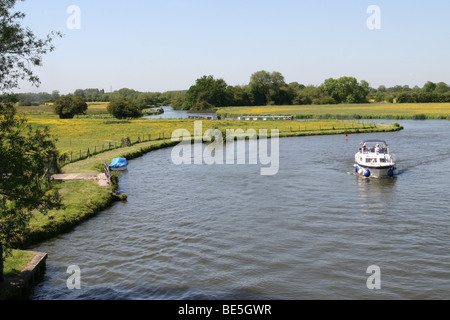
(170, 113)
(309, 232)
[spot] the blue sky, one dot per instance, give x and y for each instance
(166, 45)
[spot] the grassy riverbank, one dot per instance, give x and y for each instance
(416, 111)
(16, 262)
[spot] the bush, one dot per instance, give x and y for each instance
(202, 106)
(419, 117)
(122, 109)
(67, 107)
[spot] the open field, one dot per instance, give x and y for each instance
(76, 136)
(347, 111)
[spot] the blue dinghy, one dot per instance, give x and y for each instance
(119, 164)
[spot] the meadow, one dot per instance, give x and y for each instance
(91, 134)
(416, 111)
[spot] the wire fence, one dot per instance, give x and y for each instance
(84, 153)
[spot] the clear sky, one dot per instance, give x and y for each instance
(154, 45)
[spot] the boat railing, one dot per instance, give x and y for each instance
(372, 150)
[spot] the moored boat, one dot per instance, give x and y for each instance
(119, 164)
(375, 160)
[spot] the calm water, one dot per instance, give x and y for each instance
(169, 113)
(309, 232)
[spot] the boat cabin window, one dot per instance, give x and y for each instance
(371, 160)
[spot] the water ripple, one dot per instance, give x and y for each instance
(225, 232)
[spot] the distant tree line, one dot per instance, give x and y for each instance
(430, 92)
(141, 99)
(270, 88)
(264, 88)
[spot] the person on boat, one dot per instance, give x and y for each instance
(377, 148)
(364, 147)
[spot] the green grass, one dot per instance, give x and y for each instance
(348, 111)
(81, 200)
(76, 136)
(16, 262)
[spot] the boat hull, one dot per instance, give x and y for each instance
(375, 171)
(119, 168)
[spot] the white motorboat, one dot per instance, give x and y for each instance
(374, 160)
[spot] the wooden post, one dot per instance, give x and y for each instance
(107, 171)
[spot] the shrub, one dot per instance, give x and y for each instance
(122, 109)
(67, 107)
(419, 117)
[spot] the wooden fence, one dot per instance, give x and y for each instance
(74, 156)
(107, 171)
(298, 127)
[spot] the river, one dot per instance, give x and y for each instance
(170, 113)
(309, 232)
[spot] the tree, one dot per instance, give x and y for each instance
(382, 88)
(442, 87)
(55, 95)
(207, 89)
(346, 90)
(239, 96)
(122, 109)
(265, 87)
(429, 87)
(148, 100)
(20, 49)
(67, 107)
(26, 155)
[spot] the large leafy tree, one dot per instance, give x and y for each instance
(122, 109)
(429, 86)
(207, 93)
(27, 157)
(20, 49)
(346, 89)
(67, 107)
(25, 154)
(266, 87)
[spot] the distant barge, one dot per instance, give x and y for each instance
(204, 117)
(265, 118)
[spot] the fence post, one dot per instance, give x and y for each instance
(107, 171)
